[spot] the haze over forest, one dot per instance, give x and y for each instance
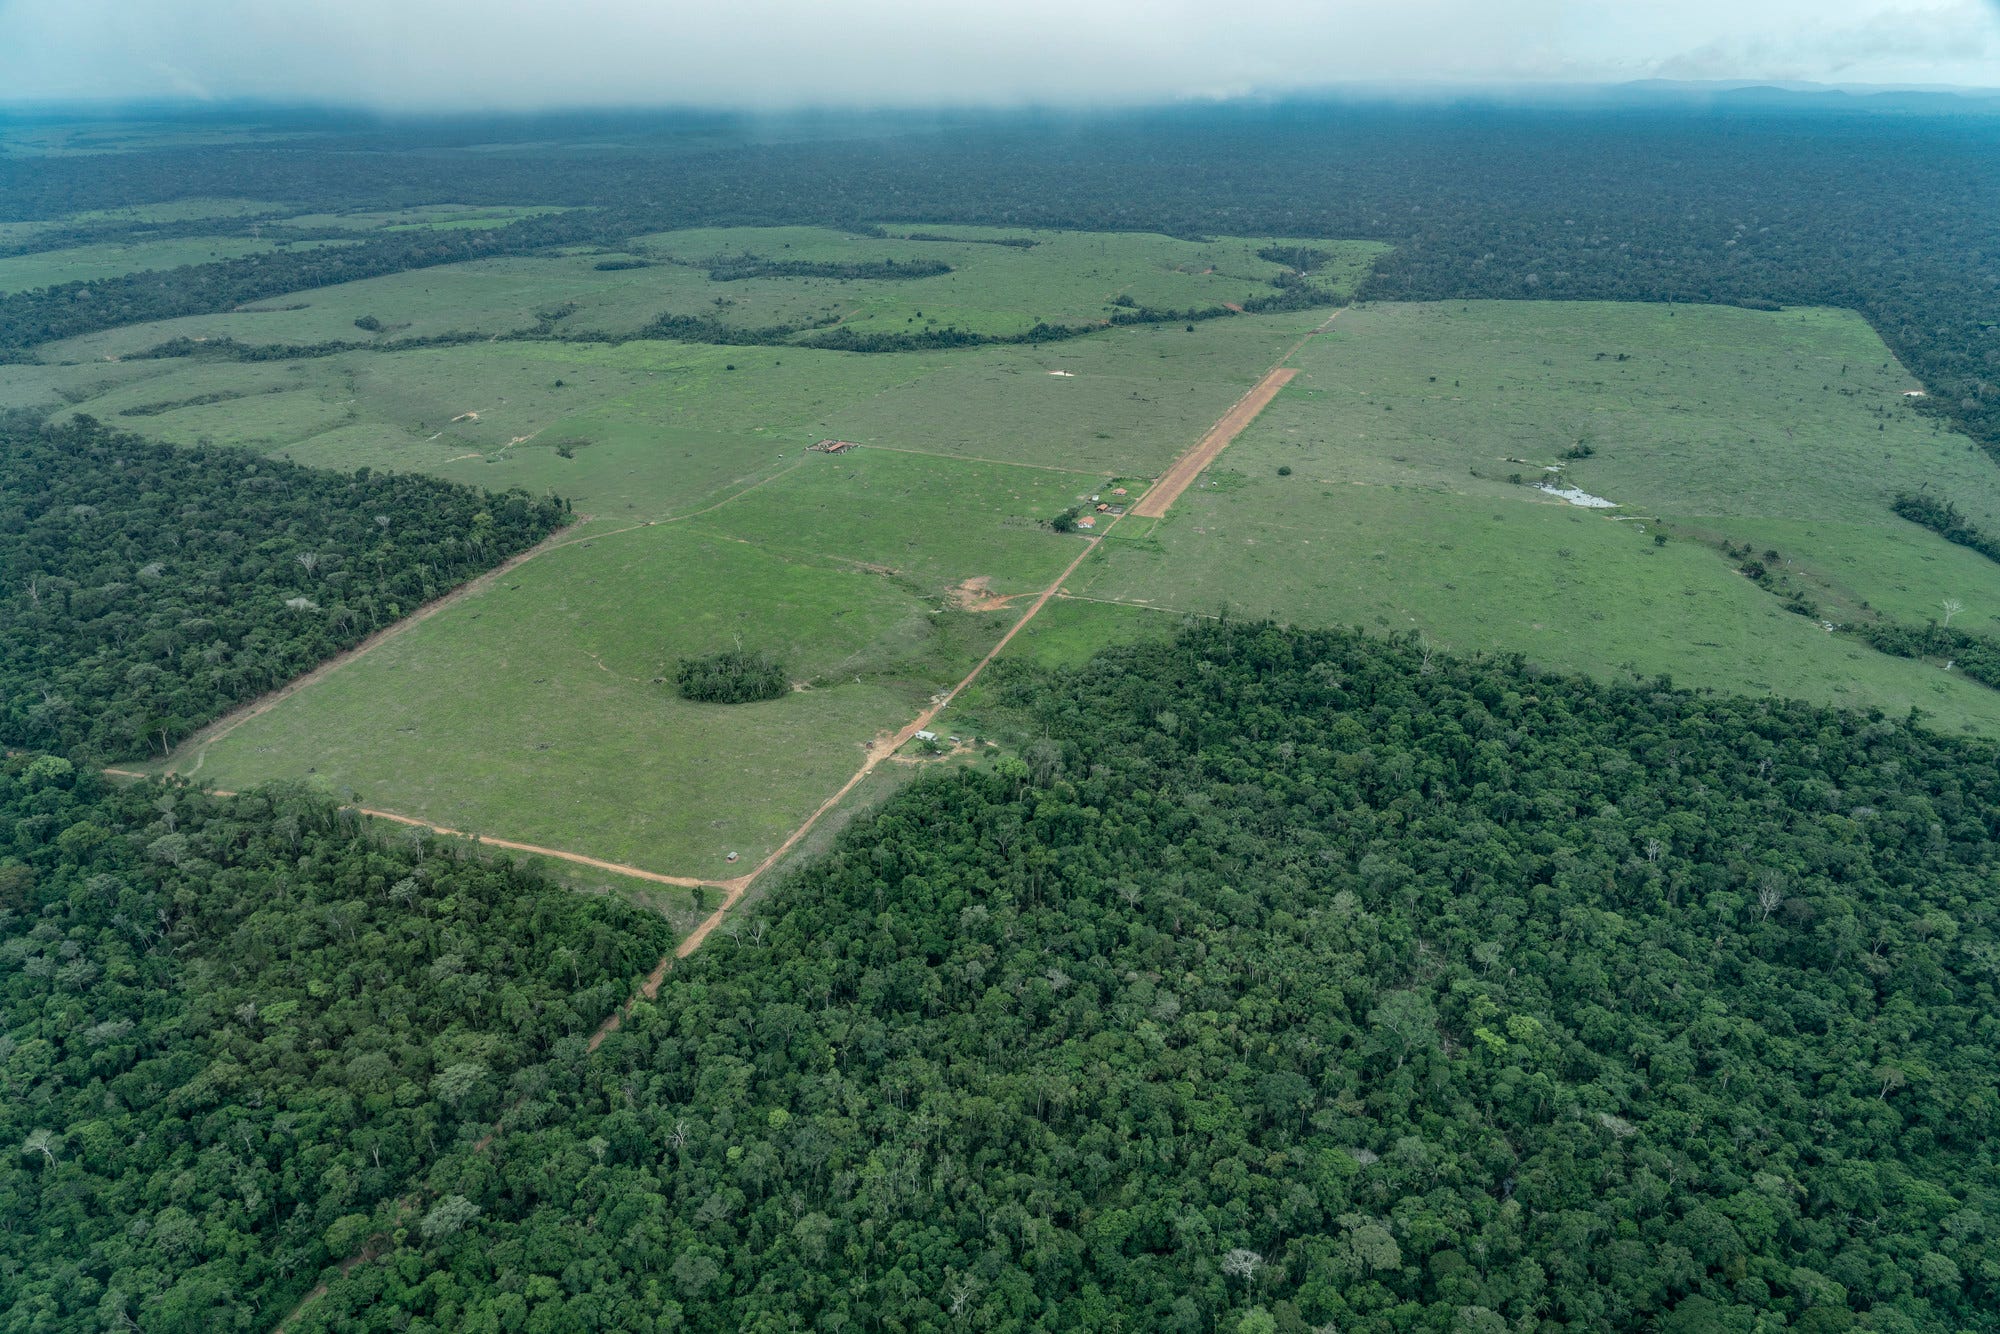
(769, 54)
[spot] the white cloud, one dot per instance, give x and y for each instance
(530, 53)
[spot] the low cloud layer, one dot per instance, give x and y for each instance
(421, 54)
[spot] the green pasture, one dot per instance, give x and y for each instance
(1072, 630)
(536, 710)
(488, 296)
(1133, 400)
(1398, 513)
(648, 429)
(177, 210)
(1068, 278)
(933, 522)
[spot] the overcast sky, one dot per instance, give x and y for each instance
(424, 54)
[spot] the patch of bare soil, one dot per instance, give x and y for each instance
(976, 594)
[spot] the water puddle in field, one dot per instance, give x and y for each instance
(1576, 497)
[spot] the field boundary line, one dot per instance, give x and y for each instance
(484, 840)
(979, 458)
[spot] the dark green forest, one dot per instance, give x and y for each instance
(237, 1033)
(1301, 981)
(732, 677)
(147, 588)
(1895, 215)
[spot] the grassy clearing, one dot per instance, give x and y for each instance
(1398, 515)
(1072, 630)
(536, 711)
(539, 710)
(933, 522)
(1132, 400)
(179, 210)
(1064, 278)
(650, 429)
(1071, 278)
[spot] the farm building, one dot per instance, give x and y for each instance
(832, 447)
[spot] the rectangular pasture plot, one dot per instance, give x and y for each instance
(934, 523)
(537, 711)
(1690, 410)
(1136, 398)
(51, 388)
(1068, 633)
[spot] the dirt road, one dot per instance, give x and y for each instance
(1189, 465)
(1156, 502)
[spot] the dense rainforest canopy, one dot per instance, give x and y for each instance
(147, 588)
(233, 1032)
(1303, 980)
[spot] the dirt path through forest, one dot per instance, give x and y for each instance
(617, 868)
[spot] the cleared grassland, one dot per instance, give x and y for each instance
(1132, 401)
(645, 429)
(1406, 422)
(435, 217)
(536, 711)
(931, 523)
(1069, 278)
